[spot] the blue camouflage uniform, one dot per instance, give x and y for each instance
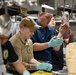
(46, 55)
(42, 36)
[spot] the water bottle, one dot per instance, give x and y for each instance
(2, 66)
(65, 21)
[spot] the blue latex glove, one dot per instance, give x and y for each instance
(54, 42)
(26, 73)
(44, 66)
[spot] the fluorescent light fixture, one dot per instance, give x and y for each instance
(48, 7)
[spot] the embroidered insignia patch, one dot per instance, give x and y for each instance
(29, 49)
(5, 54)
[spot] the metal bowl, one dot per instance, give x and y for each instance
(5, 24)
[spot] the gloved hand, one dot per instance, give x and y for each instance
(26, 73)
(54, 42)
(44, 66)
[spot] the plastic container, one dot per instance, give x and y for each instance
(2, 69)
(42, 73)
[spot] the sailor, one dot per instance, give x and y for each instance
(7, 50)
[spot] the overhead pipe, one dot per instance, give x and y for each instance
(64, 6)
(72, 9)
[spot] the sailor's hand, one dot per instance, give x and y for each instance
(44, 66)
(54, 42)
(26, 73)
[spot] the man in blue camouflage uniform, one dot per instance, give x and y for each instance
(42, 51)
